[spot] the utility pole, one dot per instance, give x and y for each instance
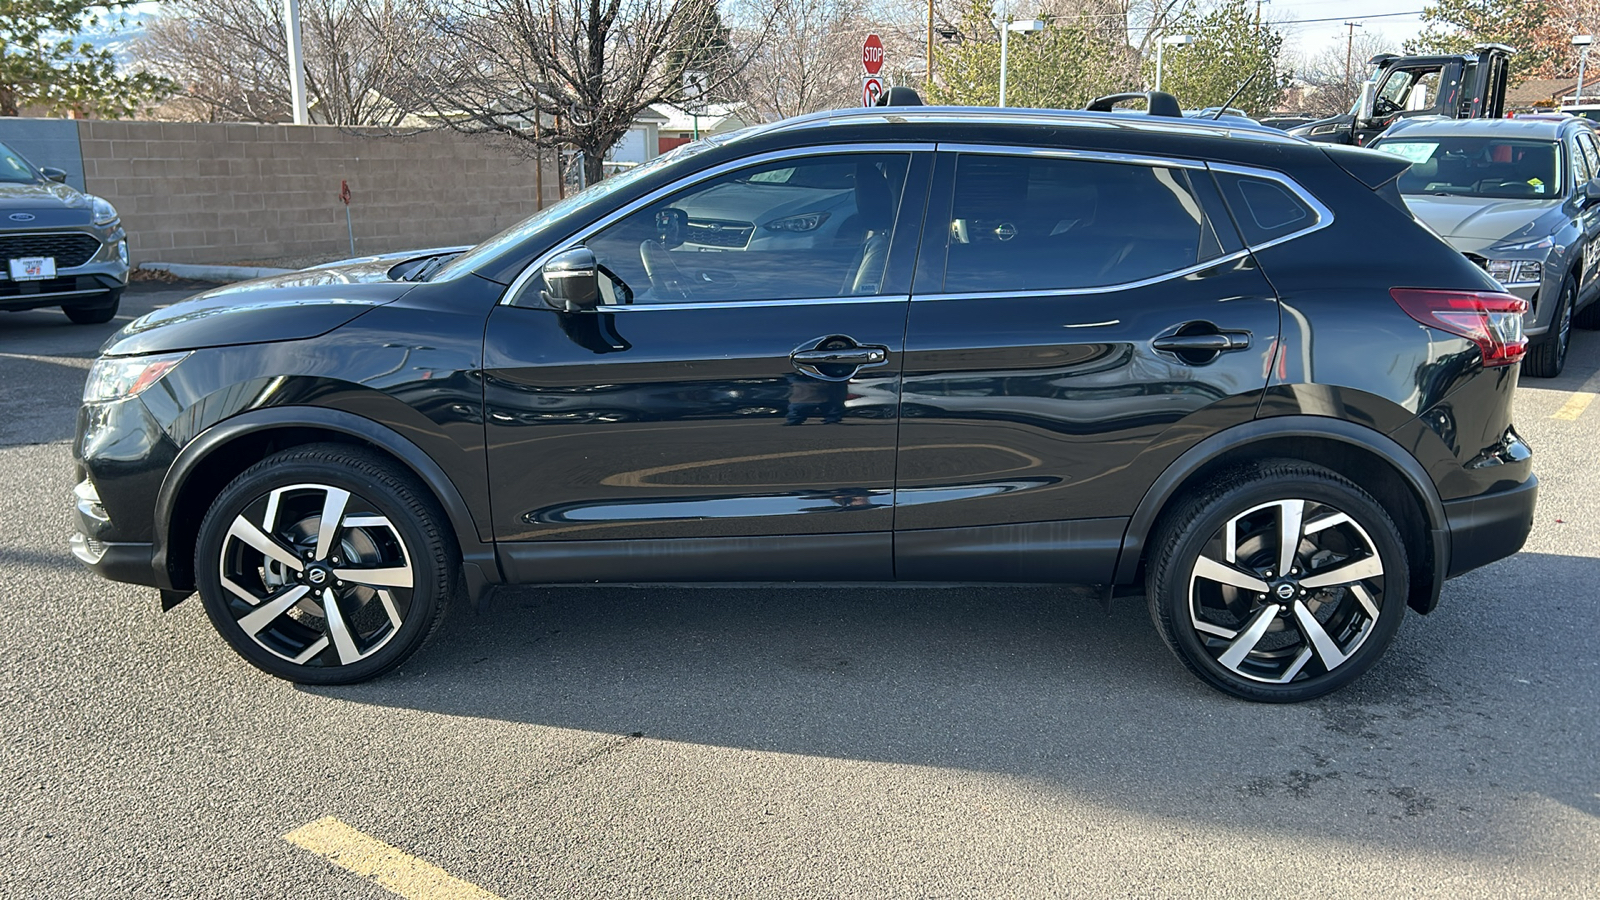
(930, 47)
(1349, 45)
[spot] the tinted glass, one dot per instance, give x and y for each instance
(1038, 223)
(1476, 166)
(14, 169)
(1264, 209)
(1581, 172)
(1590, 153)
(805, 228)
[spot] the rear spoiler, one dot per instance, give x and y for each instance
(1373, 168)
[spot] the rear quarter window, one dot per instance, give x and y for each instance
(1265, 210)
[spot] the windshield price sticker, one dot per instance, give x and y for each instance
(33, 268)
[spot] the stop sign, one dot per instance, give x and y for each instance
(872, 54)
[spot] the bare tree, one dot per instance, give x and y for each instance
(572, 73)
(806, 62)
(1327, 86)
(230, 56)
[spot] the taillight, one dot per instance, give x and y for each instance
(1490, 320)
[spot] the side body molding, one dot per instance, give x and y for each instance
(1318, 428)
(480, 569)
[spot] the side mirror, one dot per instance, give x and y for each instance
(51, 173)
(572, 281)
(1591, 191)
(1369, 97)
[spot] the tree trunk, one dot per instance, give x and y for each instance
(8, 102)
(594, 166)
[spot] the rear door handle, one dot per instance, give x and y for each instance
(1216, 342)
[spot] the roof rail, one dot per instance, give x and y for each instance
(899, 96)
(1157, 103)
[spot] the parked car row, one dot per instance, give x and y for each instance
(1198, 358)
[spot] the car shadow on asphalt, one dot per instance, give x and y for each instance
(1037, 683)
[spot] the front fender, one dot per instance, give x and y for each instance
(478, 557)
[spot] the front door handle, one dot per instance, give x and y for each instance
(1215, 342)
(847, 356)
(837, 357)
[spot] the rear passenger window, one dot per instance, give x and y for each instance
(1042, 223)
(1264, 210)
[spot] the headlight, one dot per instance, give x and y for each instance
(104, 213)
(120, 377)
(798, 224)
(1516, 271)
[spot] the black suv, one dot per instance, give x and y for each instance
(923, 344)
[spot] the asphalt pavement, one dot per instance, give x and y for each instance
(871, 742)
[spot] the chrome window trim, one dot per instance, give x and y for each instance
(1080, 155)
(519, 283)
(1323, 213)
(1086, 291)
(748, 304)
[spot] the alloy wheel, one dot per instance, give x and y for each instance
(316, 576)
(1287, 590)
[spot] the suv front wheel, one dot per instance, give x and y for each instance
(1278, 582)
(323, 564)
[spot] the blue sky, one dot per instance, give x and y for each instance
(1304, 35)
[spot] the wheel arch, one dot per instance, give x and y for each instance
(218, 455)
(1372, 460)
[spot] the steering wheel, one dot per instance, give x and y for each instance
(666, 279)
(1383, 107)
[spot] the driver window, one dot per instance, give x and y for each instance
(811, 227)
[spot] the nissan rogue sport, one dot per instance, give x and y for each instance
(1113, 348)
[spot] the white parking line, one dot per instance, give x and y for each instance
(391, 867)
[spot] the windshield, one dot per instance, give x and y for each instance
(591, 194)
(1477, 166)
(14, 169)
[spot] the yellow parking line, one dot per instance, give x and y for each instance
(391, 867)
(1574, 407)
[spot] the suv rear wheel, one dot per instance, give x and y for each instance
(324, 565)
(1278, 582)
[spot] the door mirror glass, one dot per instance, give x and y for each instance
(51, 173)
(572, 281)
(1369, 95)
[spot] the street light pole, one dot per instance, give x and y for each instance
(297, 63)
(1582, 42)
(1176, 40)
(1023, 27)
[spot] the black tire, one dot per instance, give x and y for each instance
(389, 533)
(95, 315)
(1548, 357)
(1238, 642)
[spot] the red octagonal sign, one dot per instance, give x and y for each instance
(872, 54)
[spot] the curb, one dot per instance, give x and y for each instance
(216, 273)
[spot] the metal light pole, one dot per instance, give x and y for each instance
(1023, 27)
(1175, 40)
(297, 62)
(1582, 42)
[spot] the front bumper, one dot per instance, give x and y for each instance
(90, 284)
(1490, 526)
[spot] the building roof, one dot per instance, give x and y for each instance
(710, 118)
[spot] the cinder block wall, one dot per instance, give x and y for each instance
(216, 193)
